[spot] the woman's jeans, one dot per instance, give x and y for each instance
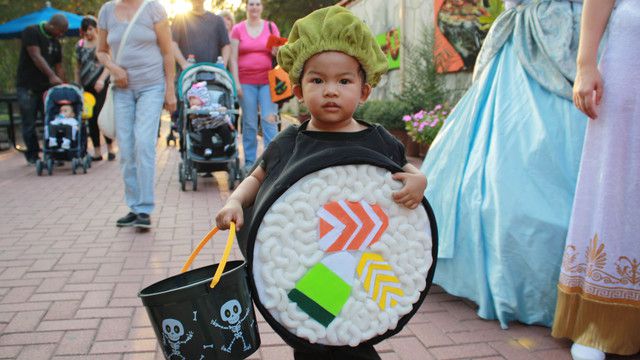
(254, 95)
(137, 114)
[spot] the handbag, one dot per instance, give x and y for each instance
(279, 83)
(107, 118)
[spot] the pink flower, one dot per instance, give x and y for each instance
(431, 112)
(419, 115)
(444, 113)
(415, 124)
(406, 118)
(438, 107)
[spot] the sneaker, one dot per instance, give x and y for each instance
(142, 221)
(111, 156)
(127, 220)
(581, 352)
(96, 158)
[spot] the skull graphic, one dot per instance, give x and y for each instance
(172, 329)
(230, 311)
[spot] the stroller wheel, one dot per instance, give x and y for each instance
(181, 177)
(232, 178)
(86, 163)
(74, 165)
(39, 167)
(49, 166)
(171, 138)
(194, 179)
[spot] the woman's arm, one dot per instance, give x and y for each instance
(99, 86)
(235, 44)
(595, 15)
(119, 75)
(163, 33)
(76, 66)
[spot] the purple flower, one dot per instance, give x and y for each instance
(419, 115)
(406, 118)
(415, 124)
(444, 113)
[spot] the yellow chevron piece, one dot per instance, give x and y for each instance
(382, 267)
(379, 280)
(384, 296)
(366, 257)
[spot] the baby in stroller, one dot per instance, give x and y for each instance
(64, 128)
(210, 123)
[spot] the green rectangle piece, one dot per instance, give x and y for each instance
(324, 287)
(317, 312)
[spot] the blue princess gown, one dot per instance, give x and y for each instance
(502, 172)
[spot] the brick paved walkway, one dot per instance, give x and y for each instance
(69, 278)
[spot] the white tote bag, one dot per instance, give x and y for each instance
(107, 118)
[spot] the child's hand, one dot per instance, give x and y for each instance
(232, 211)
(412, 192)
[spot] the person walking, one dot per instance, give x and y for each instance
(39, 67)
(200, 33)
(229, 21)
(93, 77)
(250, 65)
(599, 287)
(143, 80)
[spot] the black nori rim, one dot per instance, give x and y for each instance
(320, 161)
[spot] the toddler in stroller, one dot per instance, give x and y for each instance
(65, 137)
(64, 128)
(206, 124)
(212, 129)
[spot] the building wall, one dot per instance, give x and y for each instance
(411, 16)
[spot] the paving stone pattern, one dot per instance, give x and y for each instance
(69, 278)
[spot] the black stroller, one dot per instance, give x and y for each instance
(204, 146)
(65, 139)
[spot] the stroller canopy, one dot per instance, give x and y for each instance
(204, 72)
(64, 92)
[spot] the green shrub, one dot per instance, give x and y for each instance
(387, 113)
(422, 87)
(360, 110)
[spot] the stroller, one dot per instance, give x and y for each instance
(205, 145)
(64, 140)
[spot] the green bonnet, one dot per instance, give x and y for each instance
(332, 28)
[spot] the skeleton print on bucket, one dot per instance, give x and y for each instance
(172, 332)
(230, 314)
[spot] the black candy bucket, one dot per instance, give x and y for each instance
(197, 317)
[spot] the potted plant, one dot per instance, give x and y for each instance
(423, 126)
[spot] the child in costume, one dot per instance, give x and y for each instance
(65, 128)
(333, 61)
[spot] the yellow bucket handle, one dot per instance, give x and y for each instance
(225, 254)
